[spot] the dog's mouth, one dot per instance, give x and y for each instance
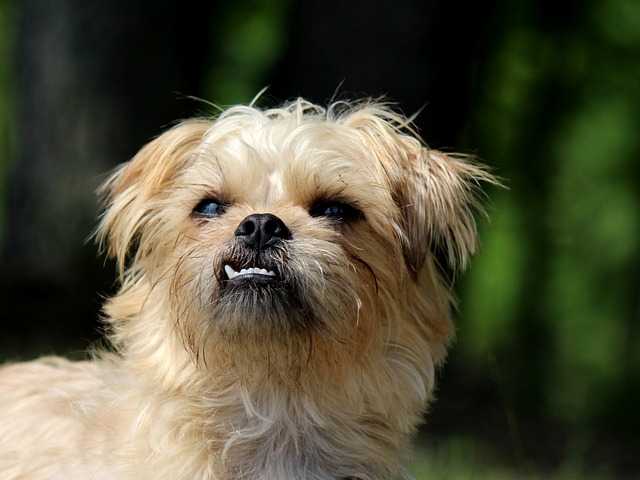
(253, 273)
(259, 290)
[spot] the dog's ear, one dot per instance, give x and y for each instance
(438, 195)
(129, 193)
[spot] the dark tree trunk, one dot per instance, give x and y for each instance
(96, 80)
(418, 53)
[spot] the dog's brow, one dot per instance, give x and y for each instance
(273, 186)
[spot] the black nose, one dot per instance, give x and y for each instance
(262, 230)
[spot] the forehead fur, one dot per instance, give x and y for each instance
(302, 150)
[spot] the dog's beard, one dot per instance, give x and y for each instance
(306, 313)
(273, 305)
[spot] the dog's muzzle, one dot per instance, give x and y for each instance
(257, 236)
(259, 278)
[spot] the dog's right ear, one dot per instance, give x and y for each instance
(127, 196)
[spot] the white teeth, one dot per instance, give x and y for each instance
(231, 273)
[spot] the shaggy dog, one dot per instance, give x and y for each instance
(280, 311)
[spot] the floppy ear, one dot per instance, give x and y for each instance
(438, 195)
(128, 195)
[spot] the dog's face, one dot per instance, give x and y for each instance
(293, 227)
(281, 232)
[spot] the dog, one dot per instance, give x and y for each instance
(281, 308)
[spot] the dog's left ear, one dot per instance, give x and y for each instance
(438, 195)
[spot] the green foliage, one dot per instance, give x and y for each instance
(6, 46)
(464, 458)
(554, 290)
(597, 244)
(250, 42)
(495, 281)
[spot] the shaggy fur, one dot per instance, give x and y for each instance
(325, 377)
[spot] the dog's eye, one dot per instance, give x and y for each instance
(209, 207)
(335, 210)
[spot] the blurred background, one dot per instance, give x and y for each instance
(544, 379)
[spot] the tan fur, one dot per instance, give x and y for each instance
(198, 388)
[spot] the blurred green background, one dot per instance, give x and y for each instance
(544, 379)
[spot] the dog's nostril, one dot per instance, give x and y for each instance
(272, 227)
(262, 230)
(247, 227)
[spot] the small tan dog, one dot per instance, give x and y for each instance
(280, 313)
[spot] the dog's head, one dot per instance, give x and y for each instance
(293, 226)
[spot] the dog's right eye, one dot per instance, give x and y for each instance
(209, 207)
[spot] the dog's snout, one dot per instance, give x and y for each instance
(262, 230)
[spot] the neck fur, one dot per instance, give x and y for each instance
(242, 416)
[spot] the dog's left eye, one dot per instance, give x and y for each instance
(209, 208)
(335, 210)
